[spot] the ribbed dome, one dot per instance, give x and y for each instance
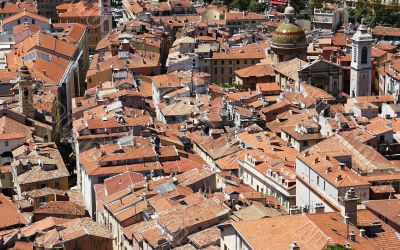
(288, 33)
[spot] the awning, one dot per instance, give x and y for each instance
(278, 3)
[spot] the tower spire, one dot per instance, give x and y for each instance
(289, 13)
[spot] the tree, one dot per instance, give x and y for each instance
(298, 5)
(238, 4)
(255, 6)
(337, 247)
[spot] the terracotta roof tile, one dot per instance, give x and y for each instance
(9, 216)
(23, 14)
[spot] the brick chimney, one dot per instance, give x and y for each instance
(349, 210)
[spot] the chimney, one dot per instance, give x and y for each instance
(114, 51)
(362, 233)
(294, 210)
(294, 246)
(374, 228)
(342, 165)
(125, 45)
(352, 236)
(319, 208)
(349, 210)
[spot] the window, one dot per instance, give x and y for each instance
(2, 176)
(26, 92)
(230, 61)
(237, 61)
(364, 55)
(317, 180)
(222, 62)
(354, 53)
(215, 71)
(43, 185)
(6, 143)
(57, 184)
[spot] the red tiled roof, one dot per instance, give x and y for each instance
(121, 181)
(23, 14)
(10, 136)
(386, 31)
(9, 215)
(258, 70)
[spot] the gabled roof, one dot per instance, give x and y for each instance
(309, 231)
(319, 61)
(9, 215)
(24, 14)
(71, 231)
(258, 70)
(61, 208)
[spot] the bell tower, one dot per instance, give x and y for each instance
(25, 92)
(360, 76)
(105, 17)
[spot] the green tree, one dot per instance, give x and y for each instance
(255, 6)
(375, 13)
(298, 5)
(337, 247)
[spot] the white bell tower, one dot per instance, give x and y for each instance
(360, 76)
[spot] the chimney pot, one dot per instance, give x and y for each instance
(362, 232)
(352, 236)
(294, 246)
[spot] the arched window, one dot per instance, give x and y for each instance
(364, 55)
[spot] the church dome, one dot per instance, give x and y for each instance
(288, 34)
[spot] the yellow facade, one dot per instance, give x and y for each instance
(60, 183)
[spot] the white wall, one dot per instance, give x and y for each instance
(231, 240)
(306, 196)
(8, 28)
(12, 144)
